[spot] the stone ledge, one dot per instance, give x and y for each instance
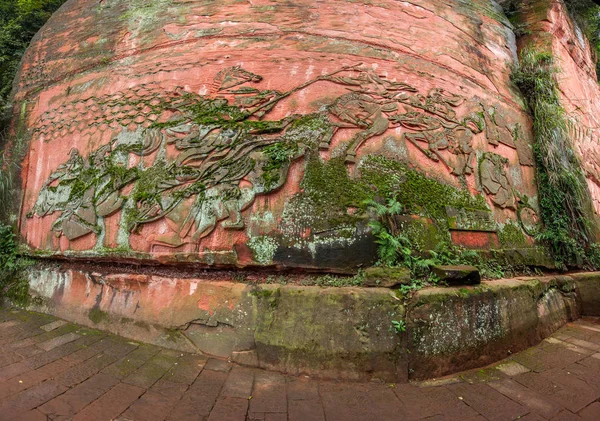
(344, 333)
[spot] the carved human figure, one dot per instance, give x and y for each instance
(495, 182)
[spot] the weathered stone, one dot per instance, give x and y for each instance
(247, 358)
(385, 277)
(353, 333)
(331, 332)
(472, 327)
(588, 288)
(263, 156)
(457, 275)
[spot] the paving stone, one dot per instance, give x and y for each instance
(53, 334)
(584, 344)
(532, 417)
(156, 403)
(121, 347)
(200, 397)
(592, 362)
(184, 387)
(566, 390)
(54, 325)
(512, 368)
(33, 415)
(229, 409)
(55, 342)
(302, 389)
(588, 327)
(80, 372)
(218, 365)
(566, 415)
(13, 370)
(61, 351)
(488, 402)
(186, 369)
(431, 401)
(269, 394)
(306, 409)
(91, 351)
(527, 397)
(484, 375)
(29, 399)
(591, 412)
(152, 371)
(32, 378)
(29, 351)
(111, 404)
(77, 398)
(276, 417)
(10, 323)
(347, 401)
(131, 362)
(239, 383)
(23, 343)
(548, 342)
(8, 358)
(592, 379)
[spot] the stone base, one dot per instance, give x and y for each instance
(343, 333)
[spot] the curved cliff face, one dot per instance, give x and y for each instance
(250, 132)
(578, 84)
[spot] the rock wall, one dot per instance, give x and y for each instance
(550, 28)
(351, 333)
(248, 133)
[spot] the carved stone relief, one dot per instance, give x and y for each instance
(209, 156)
(494, 180)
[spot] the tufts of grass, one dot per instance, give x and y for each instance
(564, 197)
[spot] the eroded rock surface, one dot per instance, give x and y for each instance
(249, 133)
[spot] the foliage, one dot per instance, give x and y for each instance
(19, 22)
(563, 194)
(399, 326)
(586, 14)
(396, 248)
(13, 285)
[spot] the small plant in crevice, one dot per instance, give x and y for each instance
(13, 282)
(564, 197)
(399, 326)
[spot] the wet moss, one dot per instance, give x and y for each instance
(97, 316)
(419, 194)
(511, 236)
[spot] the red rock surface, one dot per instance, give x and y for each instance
(578, 85)
(423, 83)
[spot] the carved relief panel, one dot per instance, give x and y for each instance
(201, 156)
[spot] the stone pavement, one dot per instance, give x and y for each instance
(54, 370)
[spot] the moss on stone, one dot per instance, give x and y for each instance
(419, 194)
(511, 236)
(97, 316)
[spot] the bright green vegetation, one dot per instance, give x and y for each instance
(399, 326)
(397, 248)
(564, 198)
(19, 22)
(586, 13)
(13, 282)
